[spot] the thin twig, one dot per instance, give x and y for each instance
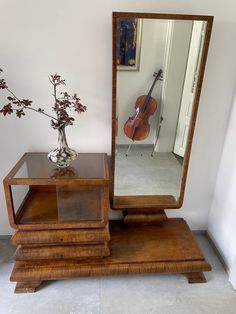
(26, 107)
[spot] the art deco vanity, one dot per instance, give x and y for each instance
(61, 215)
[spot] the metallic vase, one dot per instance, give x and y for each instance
(62, 155)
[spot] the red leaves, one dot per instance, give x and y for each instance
(26, 102)
(56, 80)
(64, 103)
(19, 113)
(3, 84)
(79, 107)
(7, 109)
(61, 106)
(68, 102)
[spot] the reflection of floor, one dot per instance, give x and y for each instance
(141, 174)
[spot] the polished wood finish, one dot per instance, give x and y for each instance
(168, 248)
(146, 202)
(27, 286)
(78, 206)
(53, 248)
(61, 236)
(197, 277)
(140, 216)
(66, 197)
(63, 214)
(24, 253)
(158, 200)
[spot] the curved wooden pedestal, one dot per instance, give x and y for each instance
(141, 216)
(134, 249)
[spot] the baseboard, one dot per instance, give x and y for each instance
(217, 251)
(232, 276)
(5, 237)
(199, 232)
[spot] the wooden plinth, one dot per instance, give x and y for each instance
(167, 248)
(141, 216)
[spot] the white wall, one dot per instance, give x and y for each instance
(222, 217)
(74, 38)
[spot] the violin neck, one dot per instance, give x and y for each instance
(150, 92)
(153, 84)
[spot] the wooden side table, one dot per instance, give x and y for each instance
(62, 229)
(58, 214)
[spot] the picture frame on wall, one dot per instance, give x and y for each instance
(129, 35)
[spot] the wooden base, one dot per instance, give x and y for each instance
(167, 248)
(141, 216)
(195, 277)
(27, 286)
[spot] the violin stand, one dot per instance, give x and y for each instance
(127, 152)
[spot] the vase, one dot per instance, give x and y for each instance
(62, 155)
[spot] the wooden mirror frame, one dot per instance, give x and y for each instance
(158, 202)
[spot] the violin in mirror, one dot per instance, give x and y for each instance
(154, 118)
(137, 127)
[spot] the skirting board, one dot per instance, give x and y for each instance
(5, 237)
(232, 276)
(231, 273)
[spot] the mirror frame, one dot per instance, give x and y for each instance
(156, 201)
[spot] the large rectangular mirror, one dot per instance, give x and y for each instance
(158, 67)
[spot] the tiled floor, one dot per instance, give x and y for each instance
(144, 294)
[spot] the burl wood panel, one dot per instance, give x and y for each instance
(25, 253)
(140, 216)
(166, 248)
(61, 236)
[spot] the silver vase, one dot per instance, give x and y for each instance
(62, 155)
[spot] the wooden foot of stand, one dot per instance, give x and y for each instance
(197, 277)
(27, 286)
(141, 216)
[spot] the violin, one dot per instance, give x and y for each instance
(137, 127)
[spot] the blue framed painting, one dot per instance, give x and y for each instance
(128, 43)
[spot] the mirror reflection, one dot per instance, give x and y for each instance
(157, 70)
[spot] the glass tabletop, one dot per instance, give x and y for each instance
(37, 166)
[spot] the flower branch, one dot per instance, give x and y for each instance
(60, 107)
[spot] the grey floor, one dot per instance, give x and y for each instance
(144, 294)
(160, 174)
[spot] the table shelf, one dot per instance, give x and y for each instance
(61, 205)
